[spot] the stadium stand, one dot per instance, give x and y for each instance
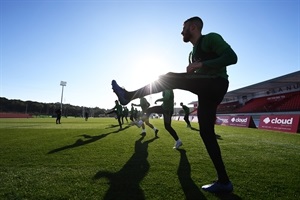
(228, 107)
(277, 98)
(291, 104)
(275, 103)
(281, 94)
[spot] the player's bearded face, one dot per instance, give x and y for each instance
(186, 33)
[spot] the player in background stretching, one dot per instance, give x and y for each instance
(144, 104)
(186, 115)
(167, 109)
(118, 110)
(132, 113)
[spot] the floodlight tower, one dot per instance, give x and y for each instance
(63, 84)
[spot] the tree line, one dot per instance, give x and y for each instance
(48, 109)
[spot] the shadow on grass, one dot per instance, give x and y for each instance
(89, 139)
(218, 136)
(112, 126)
(195, 129)
(189, 187)
(230, 196)
(125, 184)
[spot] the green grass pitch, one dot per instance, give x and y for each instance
(91, 159)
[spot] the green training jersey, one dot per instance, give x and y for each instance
(186, 109)
(119, 109)
(214, 53)
(132, 110)
(144, 104)
(125, 111)
(168, 100)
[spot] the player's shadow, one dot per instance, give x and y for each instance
(217, 136)
(125, 184)
(230, 196)
(194, 129)
(189, 187)
(112, 126)
(87, 140)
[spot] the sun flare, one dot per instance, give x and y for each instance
(148, 68)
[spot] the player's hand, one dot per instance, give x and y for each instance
(193, 67)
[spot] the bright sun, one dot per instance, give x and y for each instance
(148, 68)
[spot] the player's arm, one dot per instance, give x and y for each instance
(114, 107)
(161, 99)
(215, 43)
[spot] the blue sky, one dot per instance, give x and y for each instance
(89, 43)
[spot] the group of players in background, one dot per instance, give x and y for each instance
(141, 118)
